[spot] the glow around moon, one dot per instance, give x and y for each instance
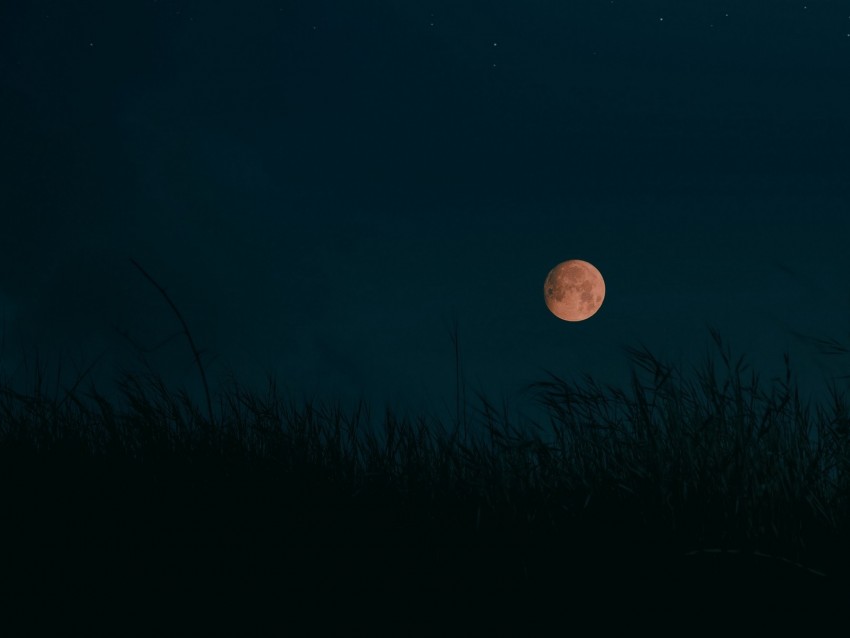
(574, 290)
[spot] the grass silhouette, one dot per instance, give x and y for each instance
(685, 491)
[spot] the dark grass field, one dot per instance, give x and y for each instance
(673, 504)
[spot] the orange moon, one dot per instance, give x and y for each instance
(574, 290)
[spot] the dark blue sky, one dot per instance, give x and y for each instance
(324, 187)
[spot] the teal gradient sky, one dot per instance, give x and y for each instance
(323, 189)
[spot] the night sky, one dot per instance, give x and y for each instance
(325, 188)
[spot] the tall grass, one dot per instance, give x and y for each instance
(716, 460)
(660, 477)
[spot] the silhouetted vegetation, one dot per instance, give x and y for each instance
(678, 487)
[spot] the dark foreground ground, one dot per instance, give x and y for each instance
(107, 545)
(678, 505)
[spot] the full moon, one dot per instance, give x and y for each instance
(574, 290)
